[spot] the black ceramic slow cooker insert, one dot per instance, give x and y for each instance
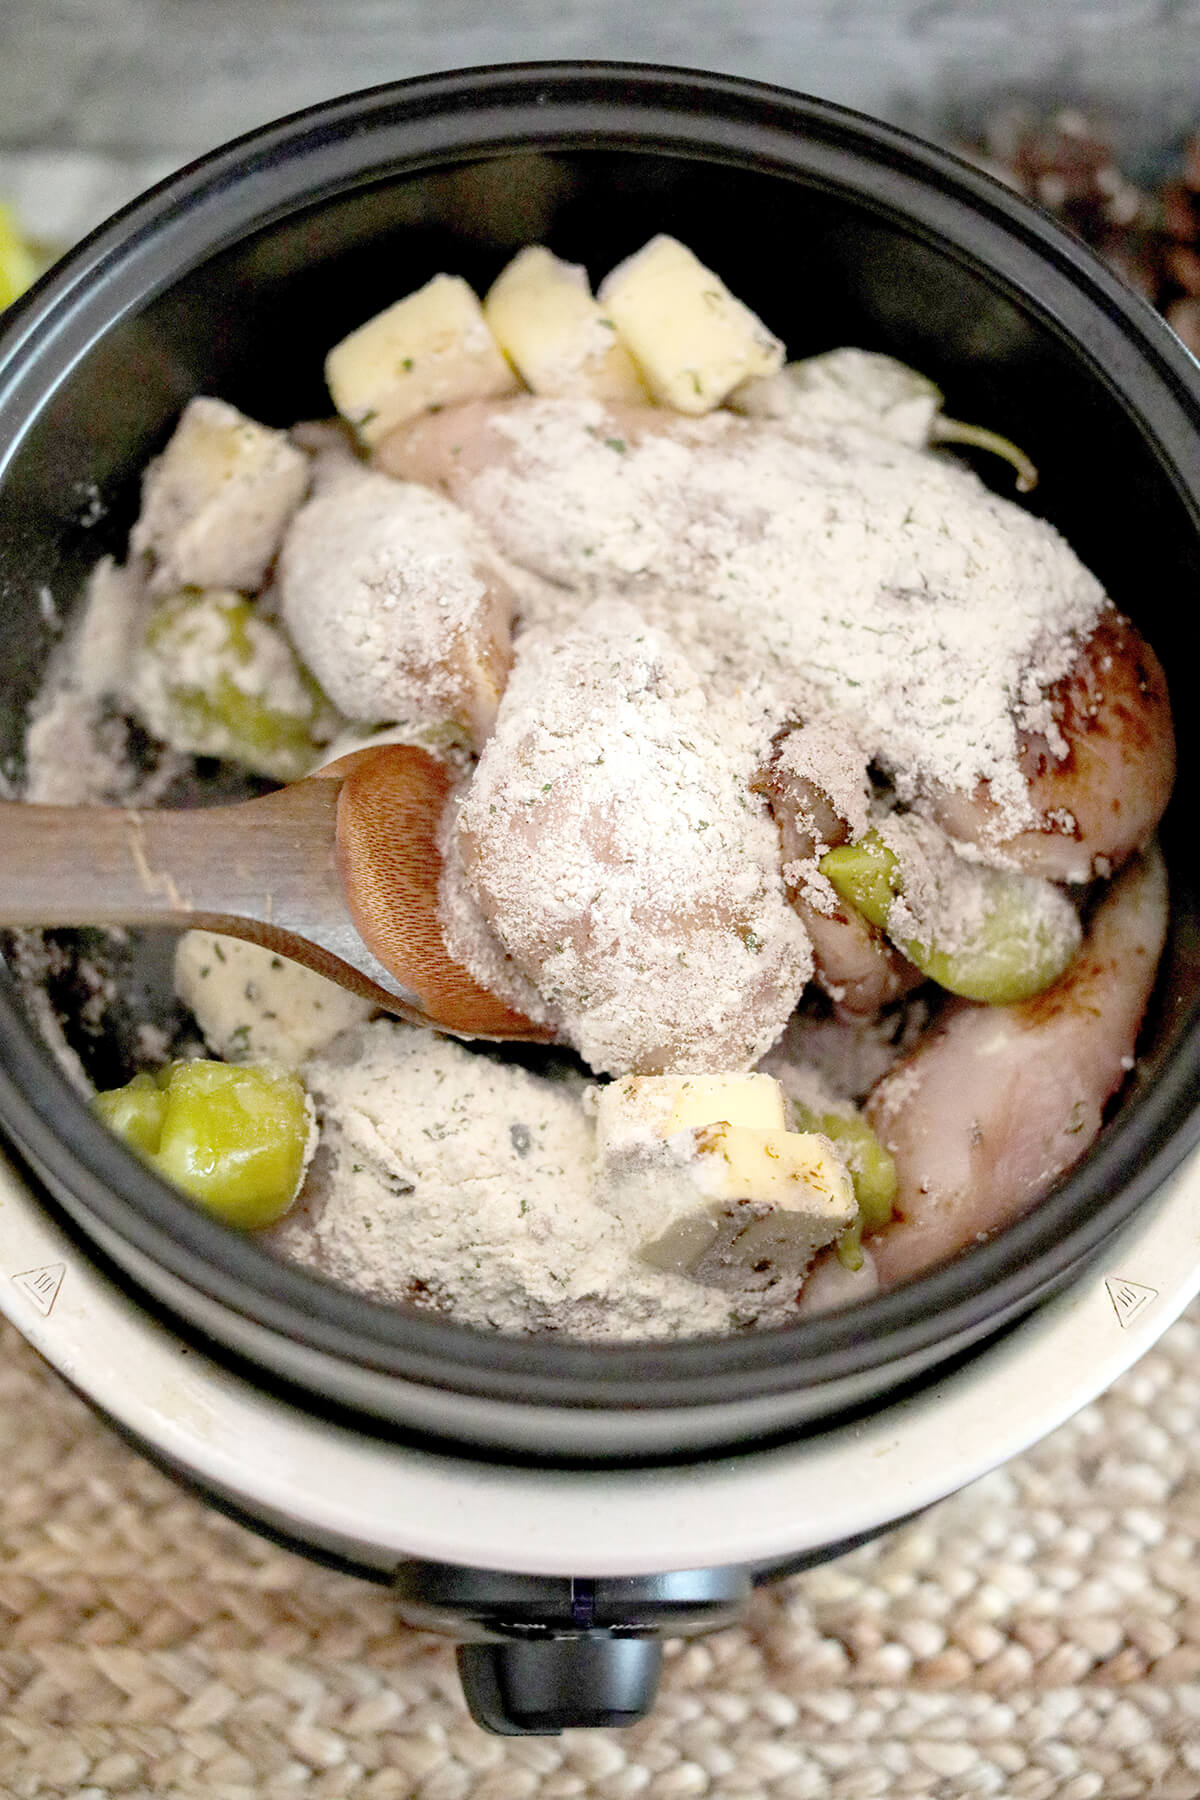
(235, 276)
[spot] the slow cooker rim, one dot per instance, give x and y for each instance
(1015, 1265)
(168, 203)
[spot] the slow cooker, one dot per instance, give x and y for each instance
(562, 1507)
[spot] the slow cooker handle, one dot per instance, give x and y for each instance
(546, 1653)
(542, 1686)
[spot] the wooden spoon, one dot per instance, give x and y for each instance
(339, 871)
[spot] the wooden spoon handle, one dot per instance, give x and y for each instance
(204, 866)
(339, 871)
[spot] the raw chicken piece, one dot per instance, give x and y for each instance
(612, 844)
(448, 449)
(997, 1101)
(390, 598)
(817, 788)
(847, 552)
(853, 962)
(1100, 772)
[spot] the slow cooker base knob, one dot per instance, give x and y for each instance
(541, 1686)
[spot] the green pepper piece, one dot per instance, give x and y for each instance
(255, 703)
(1027, 935)
(1016, 956)
(871, 382)
(878, 389)
(234, 1138)
(956, 431)
(872, 1170)
(866, 875)
(134, 1112)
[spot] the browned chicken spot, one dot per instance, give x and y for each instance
(1102, 799)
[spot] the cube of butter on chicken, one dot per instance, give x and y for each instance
(691, 339)
(641, 1107)
(433, 348)
(559, 339)
(216, 503)
(727, 1203)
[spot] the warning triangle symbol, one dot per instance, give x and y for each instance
(1129, 1298)
(41, 1285)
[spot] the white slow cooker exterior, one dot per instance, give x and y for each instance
(378, 1502)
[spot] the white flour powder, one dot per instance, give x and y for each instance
(892, 582)
(463, 1184)
(619, 855)
(77, 748)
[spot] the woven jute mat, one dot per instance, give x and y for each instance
(1037, 1636)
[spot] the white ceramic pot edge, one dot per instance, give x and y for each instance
(512, 1428)
(337, 1486)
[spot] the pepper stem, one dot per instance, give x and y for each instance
(954, 431)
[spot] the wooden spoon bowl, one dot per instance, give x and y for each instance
(390, 804)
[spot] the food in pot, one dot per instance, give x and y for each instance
(431, 349)
(871, 1168)
(804, 787)
(712, 1184)
(995, 1102)
(213, 677)
(216, 503)
(558, 338)
(237, 1140)
(388, 594)
(1014, 934)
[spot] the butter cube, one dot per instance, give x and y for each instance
(560, 340)
(641, 1107)
(768, 1202)
(216, 503)
(709, 1183)
(799, 1170)
(691, 339)
(433, 348)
